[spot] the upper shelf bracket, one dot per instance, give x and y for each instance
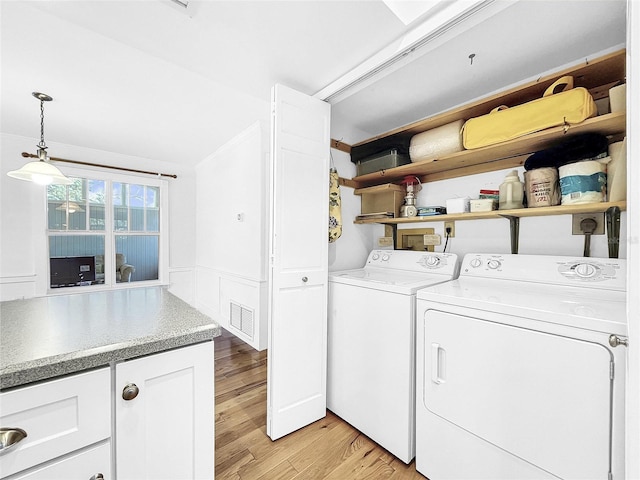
(514, 226)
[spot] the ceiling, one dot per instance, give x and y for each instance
(152, 79)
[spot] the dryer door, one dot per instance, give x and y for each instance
(541, 397)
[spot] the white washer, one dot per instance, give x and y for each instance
(516, 377)
(371, 343)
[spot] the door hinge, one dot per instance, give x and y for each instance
(611, 370)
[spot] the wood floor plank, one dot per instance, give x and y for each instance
(327, 449)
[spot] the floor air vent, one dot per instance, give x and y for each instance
(241, 318)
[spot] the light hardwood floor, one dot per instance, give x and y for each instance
(327, 449)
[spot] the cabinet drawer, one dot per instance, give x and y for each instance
(84, 465)
(59, 416)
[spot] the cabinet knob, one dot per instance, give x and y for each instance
(305, 279)
(615, 340)
(130, 391)
(10, 437)
(97, 476)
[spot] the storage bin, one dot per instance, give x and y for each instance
(458, 205)
(381, 161)
(381, 199)
(371, 149)
(483, 205)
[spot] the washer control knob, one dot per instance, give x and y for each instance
(494, 264)
(375, 256)
(385, 257)
(432, 261)
(585, 270)
(475, 263)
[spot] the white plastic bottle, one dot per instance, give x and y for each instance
(511, 191)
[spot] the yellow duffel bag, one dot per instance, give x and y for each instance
(569, 106)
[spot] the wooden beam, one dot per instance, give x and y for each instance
(347, 182)
(340, 145)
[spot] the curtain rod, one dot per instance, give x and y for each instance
(55, 159)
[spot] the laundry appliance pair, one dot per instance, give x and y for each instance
(513, 369)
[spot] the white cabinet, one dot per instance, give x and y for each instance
(59, 417)
(166, 431)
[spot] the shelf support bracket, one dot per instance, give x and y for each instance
(392, 231)
(514, 224)
(613, 231)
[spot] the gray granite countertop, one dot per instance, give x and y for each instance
(46, 337)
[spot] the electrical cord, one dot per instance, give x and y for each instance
(588, 226)
(447, 232)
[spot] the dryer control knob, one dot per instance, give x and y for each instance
(385, 257)
(586, 270)
(475, 263)
(375, 256)
(494, 264)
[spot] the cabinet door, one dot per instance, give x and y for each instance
(166, 431)
(296, 381)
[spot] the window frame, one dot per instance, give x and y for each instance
(110, 233)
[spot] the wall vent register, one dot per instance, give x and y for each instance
(241, 318)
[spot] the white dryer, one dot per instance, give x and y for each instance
(520, 371)
(371, 343)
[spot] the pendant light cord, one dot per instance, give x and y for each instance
(42, 144)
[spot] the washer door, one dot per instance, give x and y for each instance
(541, 397)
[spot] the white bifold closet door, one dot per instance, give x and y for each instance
(297, 358)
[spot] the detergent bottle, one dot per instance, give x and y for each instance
(511, 191)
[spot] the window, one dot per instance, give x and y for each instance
(104, 231)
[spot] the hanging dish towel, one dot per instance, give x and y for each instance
(335, 214)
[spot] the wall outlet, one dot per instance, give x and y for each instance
(452, 226)
(433, 239)
(578, 217)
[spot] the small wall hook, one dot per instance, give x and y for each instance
(471, 58)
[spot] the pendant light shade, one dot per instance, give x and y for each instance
(41, 171)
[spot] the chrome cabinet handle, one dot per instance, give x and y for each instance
(615, 340)
(10, 437)
(97, 476)
(305, 279)
(130, 391)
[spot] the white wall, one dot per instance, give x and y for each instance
(356, 241)
(23, 248)
(232, 204)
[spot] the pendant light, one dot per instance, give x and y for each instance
(71, 207)
(41, 171)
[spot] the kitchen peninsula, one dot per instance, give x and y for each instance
(95, 379)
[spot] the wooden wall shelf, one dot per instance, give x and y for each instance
(610, 209)
(496, 157)
(518, 213)
(597, 75)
